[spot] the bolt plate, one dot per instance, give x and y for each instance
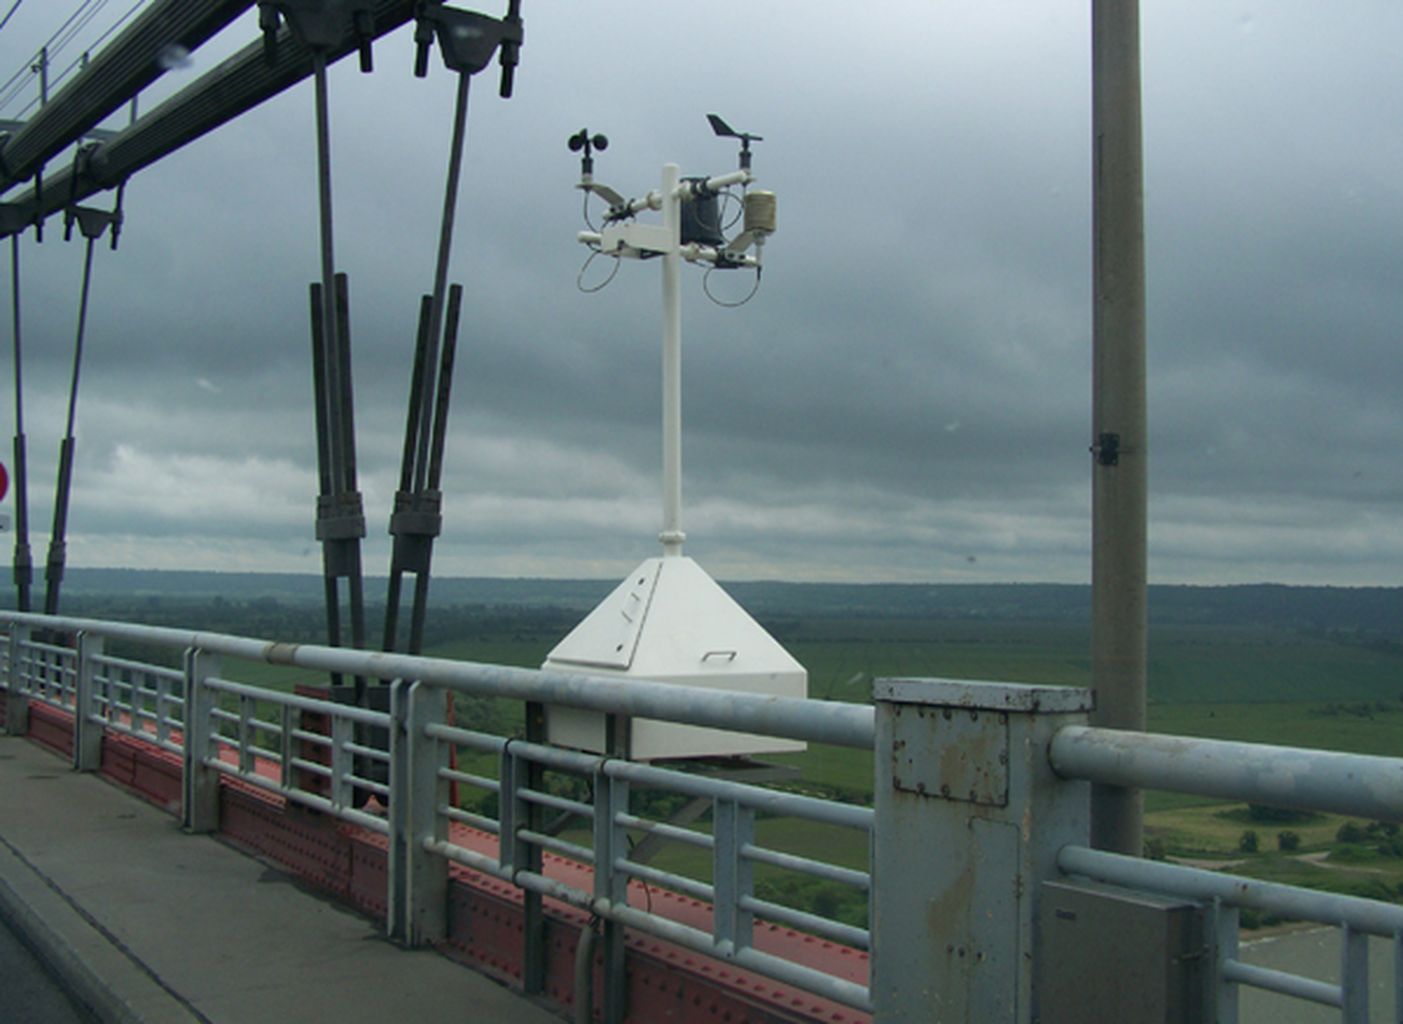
(951, 753)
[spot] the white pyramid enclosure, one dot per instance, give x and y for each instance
(671, 622)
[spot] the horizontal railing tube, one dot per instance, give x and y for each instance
(823, 927)
(678, 883)
(347, 711)
(1286, 984)
(1358, 785)
(845, 725)
(140, 666)
(772, 801)
(825, 985)
(1372, 916)
(665, 831)
(806, 865)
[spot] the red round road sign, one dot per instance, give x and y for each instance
(4, 482)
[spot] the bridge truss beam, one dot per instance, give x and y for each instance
(134, 60)
(247, 79)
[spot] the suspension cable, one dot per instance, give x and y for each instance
(82, 58)
(28, 66)
(10, 13)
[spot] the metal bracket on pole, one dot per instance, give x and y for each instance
(1107, 449)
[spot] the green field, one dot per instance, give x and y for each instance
(1288, 683)
(1255, 685)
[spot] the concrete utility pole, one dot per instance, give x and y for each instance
(1118, 420)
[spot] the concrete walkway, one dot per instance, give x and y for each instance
(145, 923)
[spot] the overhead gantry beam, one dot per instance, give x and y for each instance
(135, 59)
(247, 79)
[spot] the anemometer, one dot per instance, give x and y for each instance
(691, 230)
(692, 226)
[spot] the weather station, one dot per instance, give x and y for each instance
(669, 621)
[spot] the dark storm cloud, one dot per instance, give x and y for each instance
(908, 394)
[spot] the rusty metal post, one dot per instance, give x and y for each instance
(970, 817)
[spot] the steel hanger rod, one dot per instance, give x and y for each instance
(58, 546)
(445, 252)
(24, 563)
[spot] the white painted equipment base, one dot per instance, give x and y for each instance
(672, 623)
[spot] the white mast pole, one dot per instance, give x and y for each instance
(672, 535)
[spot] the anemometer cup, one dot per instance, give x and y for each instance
(583, 140)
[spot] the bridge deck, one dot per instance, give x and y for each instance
(148, 923)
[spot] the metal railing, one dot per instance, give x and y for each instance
(977, 784)
(1310, 780)
(49, 672)
(401, 788)
(609, 825)
(140, 700)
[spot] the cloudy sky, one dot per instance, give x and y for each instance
(908, 395)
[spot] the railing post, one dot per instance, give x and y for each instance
(200, 806)
(16, 692)
(287, 750)
(418, 877)
(1398, 975)
(1354, 975)
(610, 883)
(733, 875)
(163, 709)
(247, 761)
(87, 732)
(529, 857)
(969, 819)
(1220, 993)
(611, 886)
(342, 731)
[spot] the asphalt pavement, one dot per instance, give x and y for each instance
(143, 923)
(29, 994)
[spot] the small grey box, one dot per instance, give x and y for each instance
(1119, 956)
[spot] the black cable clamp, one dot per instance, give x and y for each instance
(467, 40)
(318, 25)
